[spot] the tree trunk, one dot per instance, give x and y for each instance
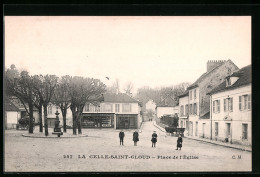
(74, 125)
(64, 113)
(79, 123)
(73, 110)
(80, 119)
(45, 120)
(31, 122)
(40, 117)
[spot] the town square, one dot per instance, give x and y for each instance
(83, 154)
(127, 94)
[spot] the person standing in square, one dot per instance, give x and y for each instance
(121, 137)
(154, 138)
(135, 137)
(179, 142)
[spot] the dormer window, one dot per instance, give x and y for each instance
(231, 80)
(228, 82)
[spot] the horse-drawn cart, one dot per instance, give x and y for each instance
(173, 131)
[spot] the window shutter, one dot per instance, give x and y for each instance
(231, 104)
(218, 106)
(214, 106)
(240, 103)
(245, 101)
(249, 102)
(225, 103)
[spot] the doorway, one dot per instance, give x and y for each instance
(124, 122)
(228, 131)
(191, 129)
(203, 130)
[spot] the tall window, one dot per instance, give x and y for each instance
(87, 107)
(117, 107)
(126, 107)
(97, 109)
(195, 109)
(228, 104)
(244, 102)
(191, 109)
(182, 110)
(108, 107)
(216, 106)
(49, 109)
(91, 108)
(194, 94)
(244, 131)
(190, 94)
(186, 109)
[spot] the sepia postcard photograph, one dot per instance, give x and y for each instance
(127, 94)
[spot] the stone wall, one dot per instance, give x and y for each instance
(212, 80)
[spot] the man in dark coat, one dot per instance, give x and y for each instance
(121, 137)
(135, 137)
(179, 142)
(154, 138)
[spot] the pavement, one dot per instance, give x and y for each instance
(100, 152)
(235, 146)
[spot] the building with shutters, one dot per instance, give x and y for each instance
(231, 115)
(199, 101)
(184, 110)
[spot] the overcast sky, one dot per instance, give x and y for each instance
(148, 51)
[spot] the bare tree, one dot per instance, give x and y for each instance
(20, 85)
(83, 90)
(62, 98)
(45, 86)
(115, 88)
(129, 88)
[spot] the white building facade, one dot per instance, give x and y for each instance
(184, 111)
(231, 115)
(118, 111)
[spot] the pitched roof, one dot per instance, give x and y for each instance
(17, 103)
(119, 98)
(186, 93)
(205, 116)
(9, 106)
(245, 78)
(204, 75)
(168, 101)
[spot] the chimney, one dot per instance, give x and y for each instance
(211, 64)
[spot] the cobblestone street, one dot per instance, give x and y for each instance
(100, 151)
